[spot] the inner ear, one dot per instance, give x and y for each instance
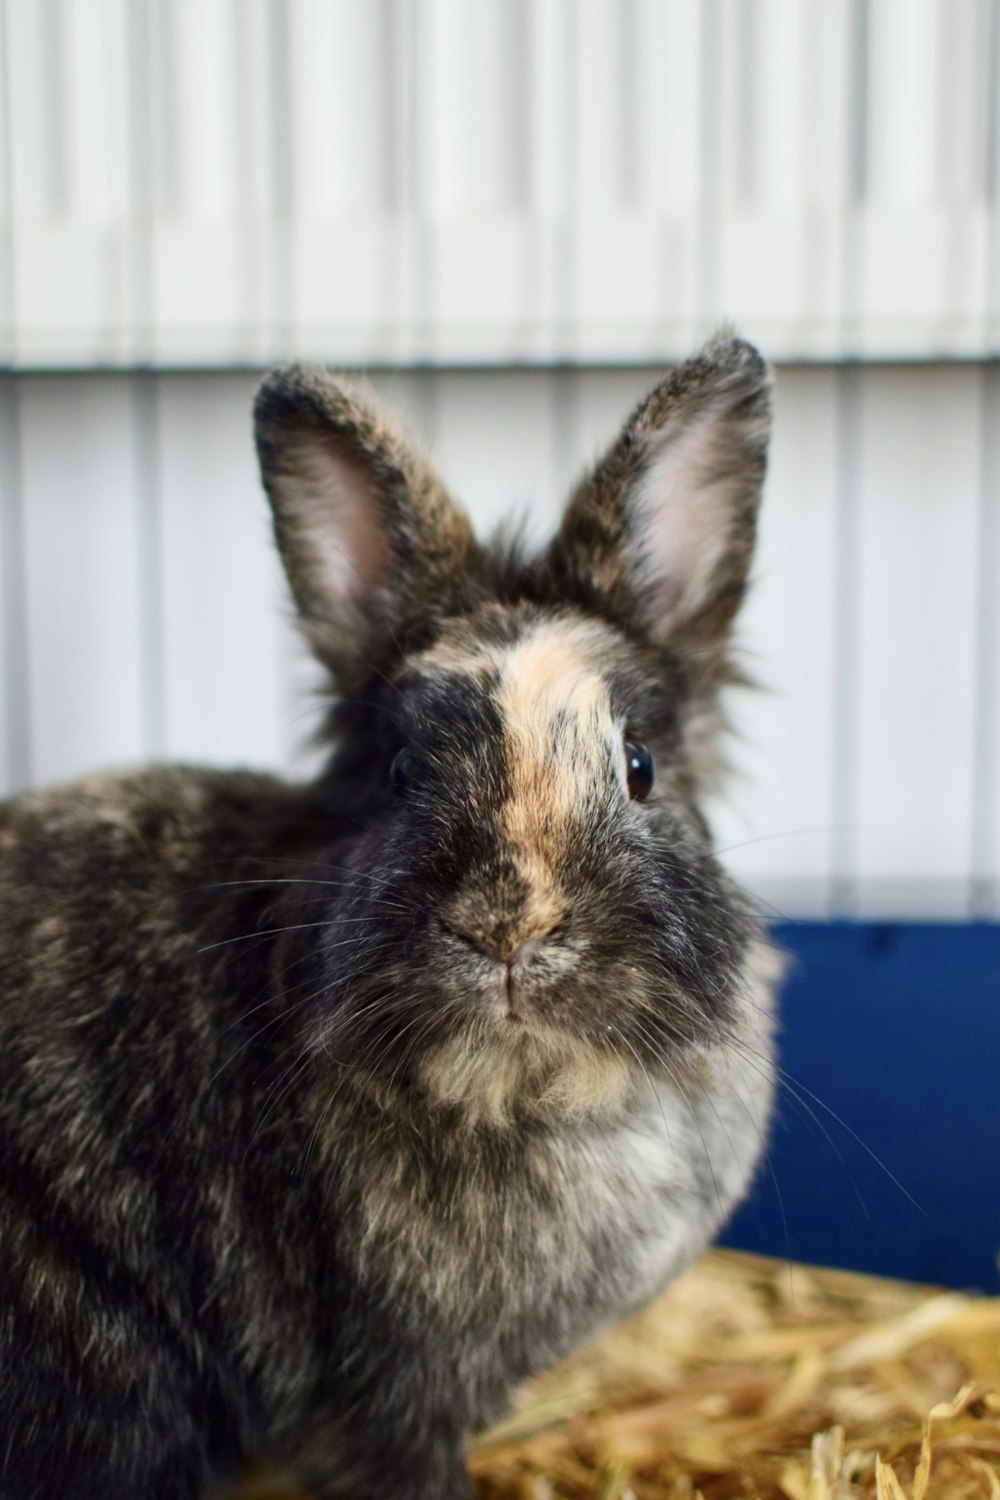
(368, 536)
(691, 521)
(334, 538)
(661, 532)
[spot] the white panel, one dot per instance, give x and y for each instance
(14, 770)
(6, 215)
(472, 112)
(511, 444)
(344, 109)
(618, 250)
(69, 174)
(597, 404)
(775, 823)
(987, 769)
(81, 574)
(904, 104)
(495, 442)
(990, 325)
(605, 162)
(829, 100)
(475, 109)
(551, 111)
(670, 104)
(827, 104)
(916, 628)
(966, 70)
(341, 117)
(779, 58)
(762, 259)
(669, 168)
(905, 232)
(267, 188)
(199, 256)
(36, 115)
(33, 77)
(213, 181)
(228, 692)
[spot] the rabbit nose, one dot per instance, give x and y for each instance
(500, 926)
(505, 941)
(523, 954)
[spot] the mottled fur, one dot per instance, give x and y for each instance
(329, 1113)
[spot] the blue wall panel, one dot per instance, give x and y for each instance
(895, 1029)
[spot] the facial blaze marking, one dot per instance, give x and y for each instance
(560, 740)
(558, 723)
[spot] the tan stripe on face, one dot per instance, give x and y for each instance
(558, 723)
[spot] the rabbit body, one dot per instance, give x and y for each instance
(330, 1113)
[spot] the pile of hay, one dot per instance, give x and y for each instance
(762, 1380)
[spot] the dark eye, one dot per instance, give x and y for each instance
(639, 770)
(401, 770)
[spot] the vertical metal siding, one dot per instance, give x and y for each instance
(212, 181)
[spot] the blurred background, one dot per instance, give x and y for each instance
(514, 213)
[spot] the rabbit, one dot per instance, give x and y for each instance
(331, 1112)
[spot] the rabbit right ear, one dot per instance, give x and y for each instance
(367, 533)
(661, 532)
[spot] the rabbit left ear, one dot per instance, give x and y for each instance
(662, 531)
(367, 533)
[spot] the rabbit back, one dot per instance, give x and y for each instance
(132, 1258)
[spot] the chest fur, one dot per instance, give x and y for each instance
(537, 1244)
(511, 1248)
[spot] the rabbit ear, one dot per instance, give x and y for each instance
(366, 531)
(662, 531)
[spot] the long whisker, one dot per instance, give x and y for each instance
(279, 1092)
(682, 1092)
(263, 932)
(785, 833)
(371, 1058)
(335, 885)
(792, 1085)
(349, 1021)
(659, 1102)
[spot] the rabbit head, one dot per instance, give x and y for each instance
(515, 904)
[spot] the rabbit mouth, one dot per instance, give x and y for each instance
(535, 995)
(534, 1040)
(521, 984)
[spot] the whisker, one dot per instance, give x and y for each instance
(786, 833)
(289, 1078)
(682, 1092)
(623, 1038)
(791, 1085)
(244, 937)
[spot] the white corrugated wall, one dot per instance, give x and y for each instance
(218, 181)
(516, 211)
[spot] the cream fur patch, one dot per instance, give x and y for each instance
(551, 1077)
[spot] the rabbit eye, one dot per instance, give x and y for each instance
(639, 770)
(401, 770)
